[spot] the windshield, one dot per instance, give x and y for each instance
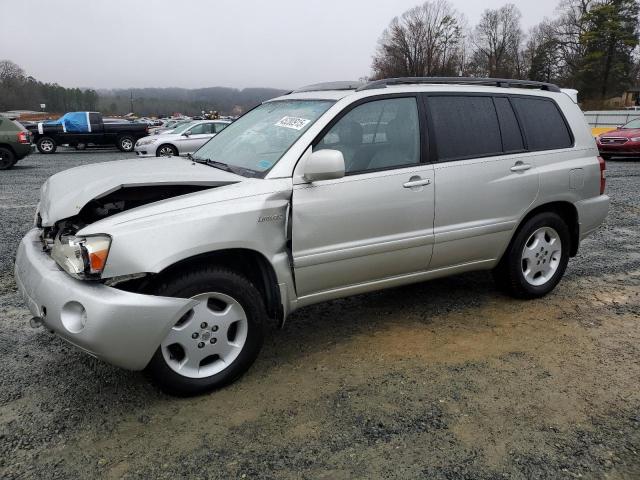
(635, 123)
(257, 140)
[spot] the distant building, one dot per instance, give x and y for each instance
(631, 97)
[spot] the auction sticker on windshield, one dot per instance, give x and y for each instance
(293, 122)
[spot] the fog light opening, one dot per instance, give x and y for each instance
(73, 316)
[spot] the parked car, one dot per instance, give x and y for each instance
(175, 265)
(15, 142)
(624, 141)
(170, 125)
(180, 141)
(83, 128)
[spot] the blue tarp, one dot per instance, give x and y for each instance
(73, 122)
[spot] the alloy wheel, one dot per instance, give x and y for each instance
(541, 256)
(208, 338)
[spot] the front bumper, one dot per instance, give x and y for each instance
(119, 327)
(146, 150)
(591, 213)
(628, 149)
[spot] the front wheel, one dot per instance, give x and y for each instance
(46, 145)
(217, 340)
(126, 143)
(537, 257)
(167, 150)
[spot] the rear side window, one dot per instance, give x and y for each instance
(509, 128)
(465, 126)
(543, 125)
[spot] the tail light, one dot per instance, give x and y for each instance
(603, 174)
(23, 137)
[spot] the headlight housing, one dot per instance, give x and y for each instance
(82, 256)
(145, 141)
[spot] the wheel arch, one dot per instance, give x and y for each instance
(568, 212)
(8, 147)
(250, 263)
(168, 144)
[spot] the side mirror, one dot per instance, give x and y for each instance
(185, 134)
(324, 165)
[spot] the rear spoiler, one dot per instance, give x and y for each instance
(572, 93)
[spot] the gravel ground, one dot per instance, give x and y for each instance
(441, 380)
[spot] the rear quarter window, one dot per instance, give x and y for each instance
(543, 124)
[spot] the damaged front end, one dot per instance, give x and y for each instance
(85, 256)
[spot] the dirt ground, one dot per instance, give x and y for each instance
(442, 380)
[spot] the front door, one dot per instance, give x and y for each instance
(376, 222)
(195, 137)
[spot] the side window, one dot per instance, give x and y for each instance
(544, 127)
(218, 127)
(377, 135)
(509, 128)
(465, 126)
(94, 118)
(199, 129)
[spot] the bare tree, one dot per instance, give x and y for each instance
(569, 30)
(542, 57)
(497, 40)
(423, 41)
(10, 71)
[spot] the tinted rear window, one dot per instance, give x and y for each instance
(544, 127)
(465, 127)
(509, 128)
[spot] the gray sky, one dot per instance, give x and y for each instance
(198, 43)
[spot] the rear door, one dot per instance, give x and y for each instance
(372, 224)
(484, 178)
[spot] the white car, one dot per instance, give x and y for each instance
(183, 140)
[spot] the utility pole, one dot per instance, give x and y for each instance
(131, 92)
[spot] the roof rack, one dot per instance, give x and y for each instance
(493, 82)
(327, 86)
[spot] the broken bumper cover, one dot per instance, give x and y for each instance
(119, 327)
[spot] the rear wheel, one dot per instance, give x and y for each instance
(7, 158)
(46, 145)
(217, 340)
(537, 257)
(126, 143)
(167, 150)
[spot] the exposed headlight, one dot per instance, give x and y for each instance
(145, 141)
(82, 257)
(635, 139)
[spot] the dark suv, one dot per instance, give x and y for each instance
(15, 142)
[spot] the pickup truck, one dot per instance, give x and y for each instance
(78, 129)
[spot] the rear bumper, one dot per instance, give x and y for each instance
(119, 327)
(22, 150)
(591, 213)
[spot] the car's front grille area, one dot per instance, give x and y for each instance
(613, 140)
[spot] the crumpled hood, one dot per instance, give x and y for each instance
(64, 194)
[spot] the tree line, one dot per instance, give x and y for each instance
(590, 45)
(19, 91)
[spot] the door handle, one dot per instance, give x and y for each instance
(417, 183)
(520, 167)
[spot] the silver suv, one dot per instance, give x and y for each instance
(175, 264)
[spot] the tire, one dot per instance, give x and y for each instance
(7, 159)
(166, 150)
(46, 145)
(533, 273)
(195, 369)
(126, 143)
